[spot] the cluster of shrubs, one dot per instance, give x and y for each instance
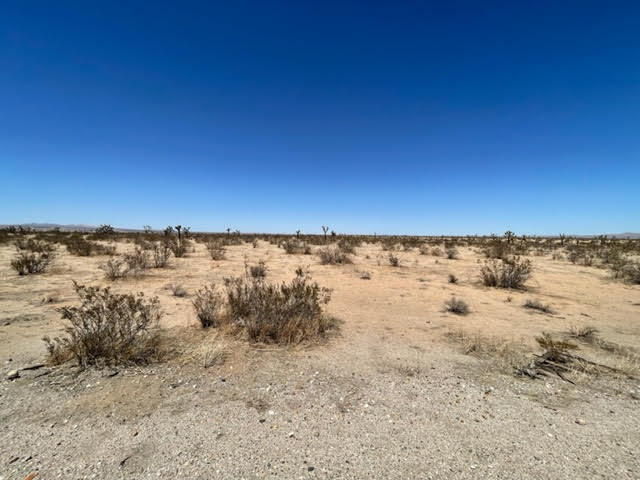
(34, 256)
(287, 313)
(296, 246)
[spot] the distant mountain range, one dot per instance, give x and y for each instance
(90, 228)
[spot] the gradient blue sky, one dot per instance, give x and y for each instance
(387, 117)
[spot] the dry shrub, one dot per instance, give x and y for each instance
(539, 306)
(137, 261)
(394, 260)
(179, 247)
(177, 290)
(258, 271)
(631, 272)
(216, 250)
(288, 313)
(509, 273)
(365, 275)
(436, 252)
(209, 306)
(457, 306)
(500, 353)
(452, 253)
(33, 245)
(115, 268)
(27, 263)
(296, 246)
(348, 245)
(108, 329)
(453, 278)
(160, 252)
(333, 256)
(585, 333)
(214, 354)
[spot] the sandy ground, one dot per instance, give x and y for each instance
(388, 397)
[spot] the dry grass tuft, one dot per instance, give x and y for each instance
(499, 353)
(509, 273)
(457, 306)
(539, 306)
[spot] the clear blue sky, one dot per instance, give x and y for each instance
(389, 117)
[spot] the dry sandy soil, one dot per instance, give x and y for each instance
(389, 396)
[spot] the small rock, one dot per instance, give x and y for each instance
(13, 374)
(310, 469)
(290, 434)
(580, 421)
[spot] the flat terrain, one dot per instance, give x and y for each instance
(390, 395)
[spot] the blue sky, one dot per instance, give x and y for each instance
(387, 117)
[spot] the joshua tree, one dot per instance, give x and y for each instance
(186, 231)
(228, 231)
(509, 235)
(179, 229)
(562, 239)
(325, 229)
(147, 229)
(333, 233)
(168, 231)
(297, 233)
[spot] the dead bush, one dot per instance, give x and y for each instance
(453, 278)
(179, 247)
(394, 260)
(209, 306)
(107, 328)
(499, 353)
(216, 250)
(508, 273)
(27, 263)
(457, 306)
(539, 306)
(288, 313)
(333, 256)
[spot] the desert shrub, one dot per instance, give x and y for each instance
(160, 254)
(584, 333)
(365, 275)
(137, 261)
(557, 256)
(179, 247)
(457, 306)
(28, 262)
(33, 245)
(424, 249)
(453, 278)
(177, 290)
(348, 245)
(259, 270)
(394, 260)
(537, 305)
(631, 272)
(287, 313)
(333, 256)
(209, 306)
(115, 268)
(255, 243)
(296, 246)
(452, 253)
(497, 248)
(77, 245)
(436, 252)
(216, 250)
(107, 328)
(508, 273)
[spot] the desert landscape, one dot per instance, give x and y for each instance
(317, 355)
